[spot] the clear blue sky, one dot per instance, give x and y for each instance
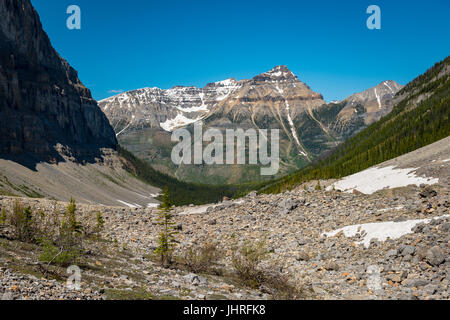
(125, 45)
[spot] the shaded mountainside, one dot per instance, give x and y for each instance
(420, 117)
(55, 142)
(277, 99)
(44, 108)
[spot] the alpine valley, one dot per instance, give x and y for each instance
(309, 127)
(360, 209)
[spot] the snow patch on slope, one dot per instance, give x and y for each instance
(178, 122)
(123, 130)
(380, 231)
(279, 72)
(225, 88)
(130, 205)
(378, 98)
(374, 179)
(291, 123)
(201, 108)
(387, 85)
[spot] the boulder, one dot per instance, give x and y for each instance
(435, 256)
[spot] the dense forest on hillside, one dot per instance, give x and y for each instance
(181, 193)
(420, 118)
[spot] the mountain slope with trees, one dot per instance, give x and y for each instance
(179, 192)
(420, 117)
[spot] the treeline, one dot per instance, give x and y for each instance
(181, 193)
(409, 126)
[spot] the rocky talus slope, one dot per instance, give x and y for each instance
(412, 264)
(105, 182)
(392, 243)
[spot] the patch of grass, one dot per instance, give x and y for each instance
(111, 179)
(135, 294)
(30, 193)
(3, 216)
(245, 261)
(164, 297)
(217, 297)
(20, 257)
(185, 292)
(54, 255)
(151, 257)
(7, 193)
(22, 189)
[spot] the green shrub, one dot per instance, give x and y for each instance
(318, 186)
(100, 222)
(245, 261)
(67, 246)
(21, 221)
(3, 216)
(71, 219)
(202, 259)
(51, 254)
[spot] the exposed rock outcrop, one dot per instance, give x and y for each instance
(364, 108)
(45, 110)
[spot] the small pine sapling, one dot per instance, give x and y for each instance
(166, 239)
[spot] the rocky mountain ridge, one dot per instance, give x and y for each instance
(367, 106)
(55, 142)
(45, 110)
(180, 106)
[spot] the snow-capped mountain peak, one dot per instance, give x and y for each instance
(277, 74)
(168, 109)
(181, 105)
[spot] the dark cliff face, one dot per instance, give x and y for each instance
(43, 104)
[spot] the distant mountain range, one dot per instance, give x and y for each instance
(277, 99)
